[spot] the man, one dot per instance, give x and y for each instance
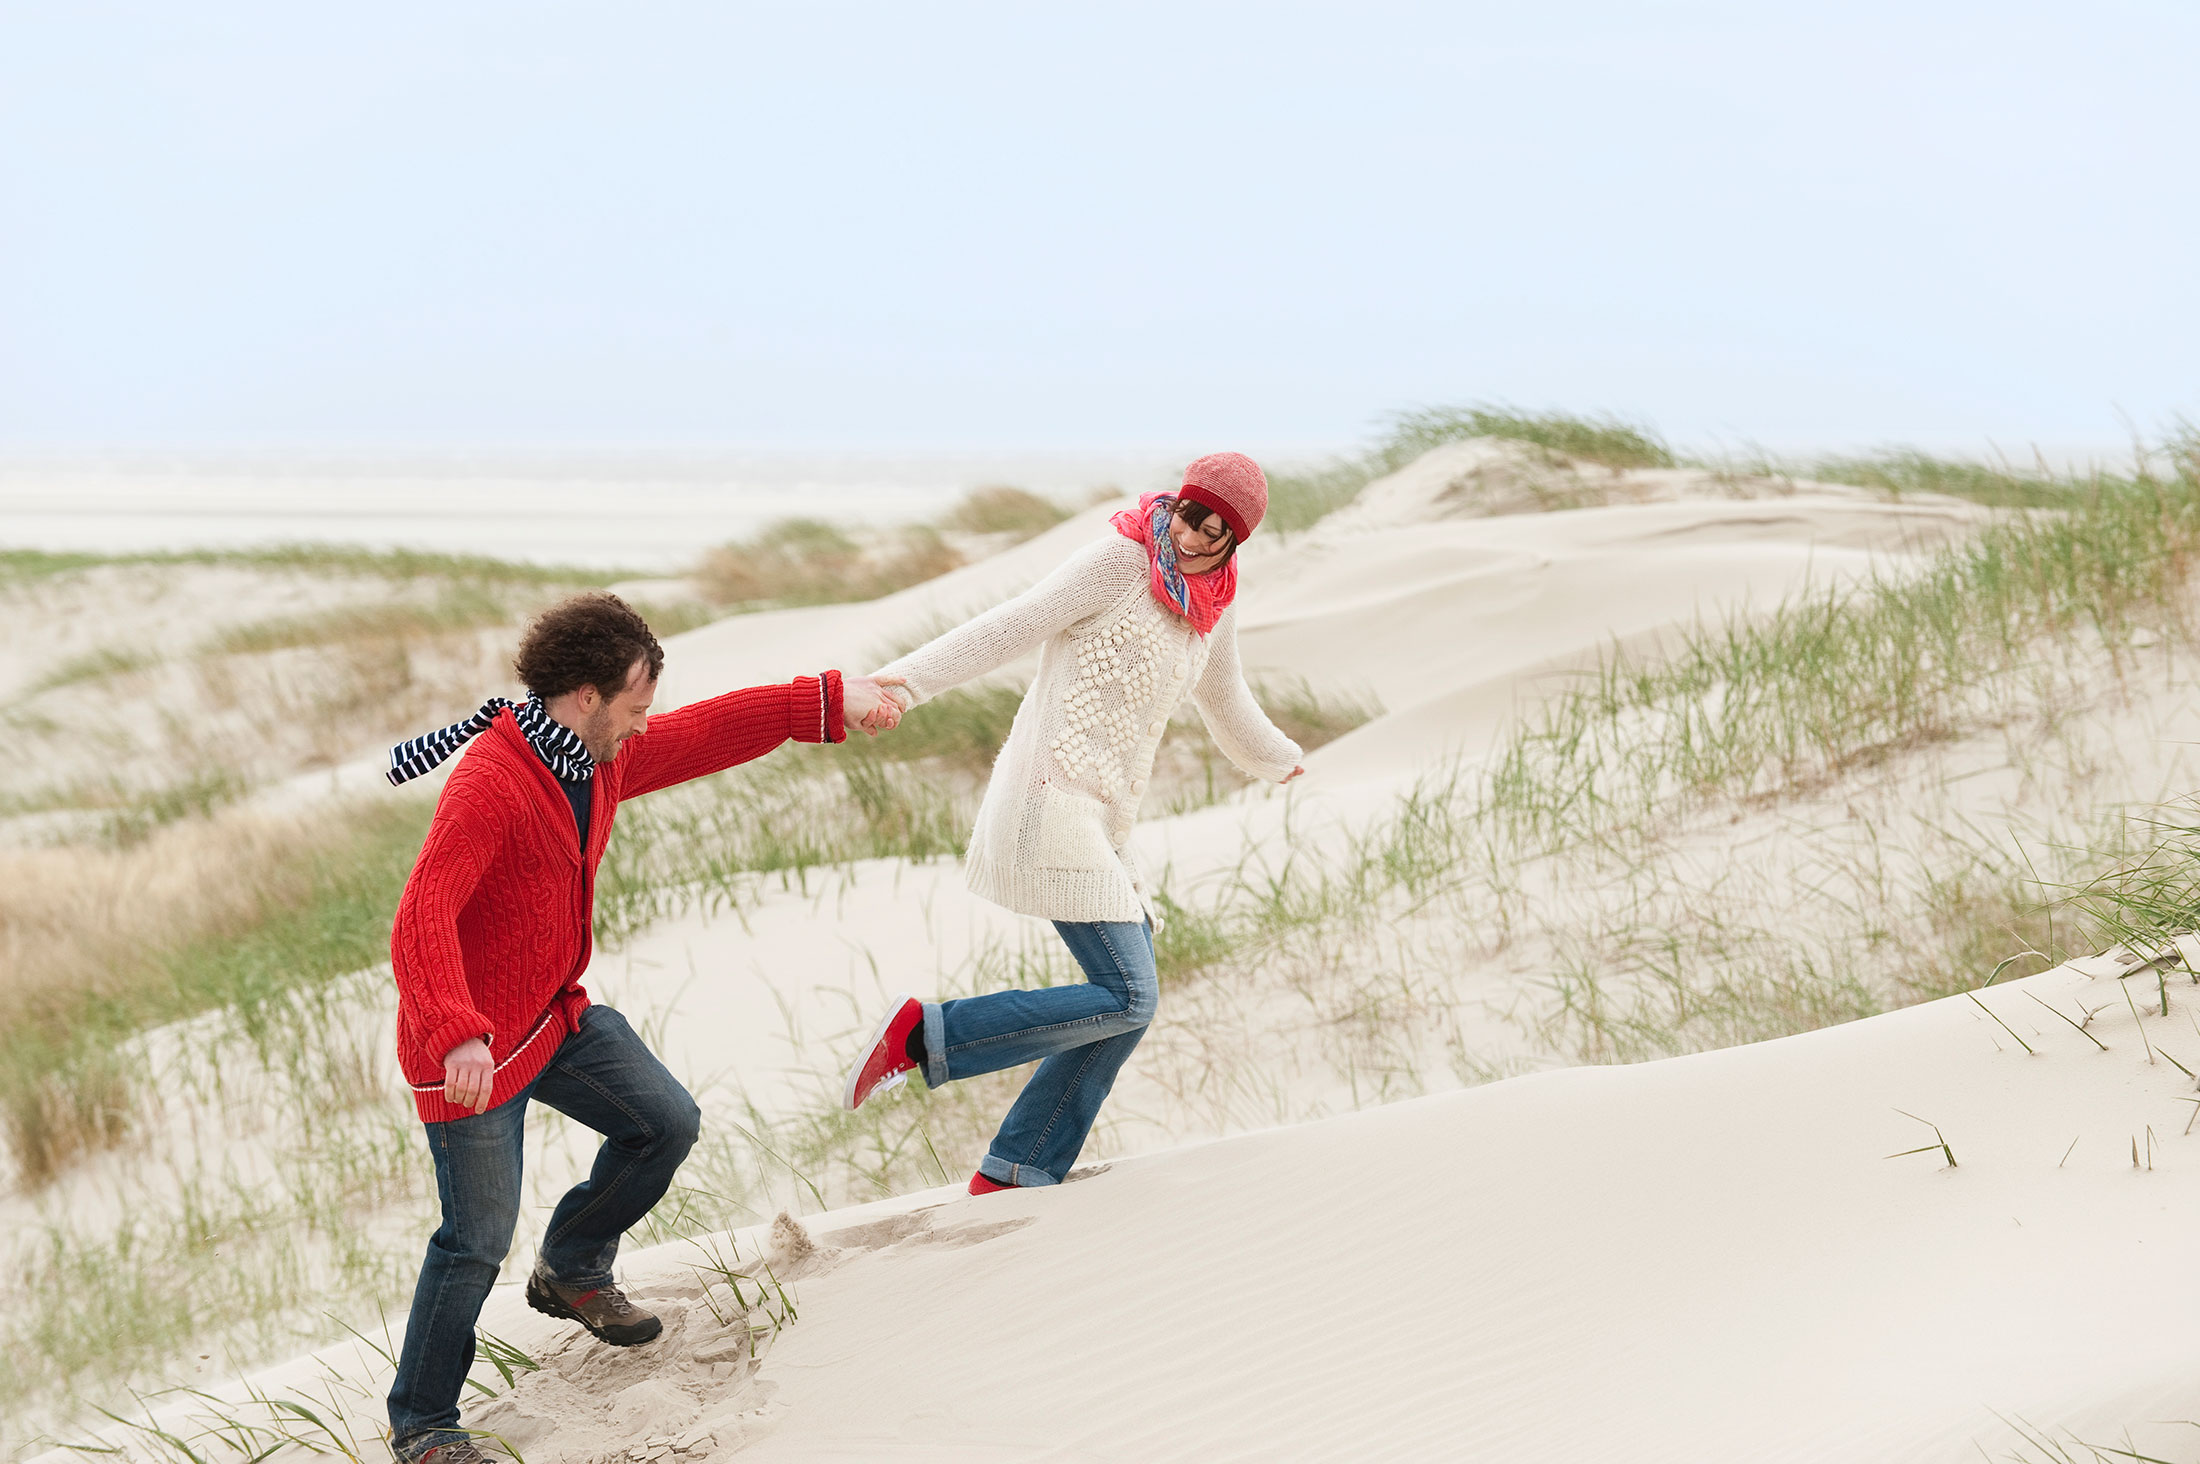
(488, 947)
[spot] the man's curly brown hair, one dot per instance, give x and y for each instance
(589, 640)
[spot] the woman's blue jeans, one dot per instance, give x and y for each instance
(603, 1076)
(1080, 1035)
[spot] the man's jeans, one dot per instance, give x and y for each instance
(602, 1076)
(1083, 1033)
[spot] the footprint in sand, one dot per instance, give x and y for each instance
(915, 1229)
(689, 1395)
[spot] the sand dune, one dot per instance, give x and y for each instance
(1711, 1257)
(1708, 1257)
(1455, 633)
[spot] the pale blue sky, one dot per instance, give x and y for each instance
(534, 224)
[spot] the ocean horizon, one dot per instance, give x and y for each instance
(646, 511)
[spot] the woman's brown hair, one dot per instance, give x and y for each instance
(1197, 514)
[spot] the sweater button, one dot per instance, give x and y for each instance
(1139, 786)
(1154, 728)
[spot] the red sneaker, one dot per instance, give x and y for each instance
(980, 1185)
(885, 1063)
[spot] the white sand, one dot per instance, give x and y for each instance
(1709, 1257)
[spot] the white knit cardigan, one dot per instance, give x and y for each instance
(1053, 830)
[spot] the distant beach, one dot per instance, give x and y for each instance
(649, 512)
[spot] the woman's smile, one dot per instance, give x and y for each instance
(1195, 552)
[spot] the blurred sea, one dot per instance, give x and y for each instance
(646, 512)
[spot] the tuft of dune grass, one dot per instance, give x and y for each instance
(962, 728)
(94, 665)
(19, 566)
(1299, 498)
(806, 561)
(22, 566)
(457, 608)
(802, 561)
(999, 509)
(1311, 717)
(1607, 440)
(99, 943)
(1901, 472)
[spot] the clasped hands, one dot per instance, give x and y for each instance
(874, 703)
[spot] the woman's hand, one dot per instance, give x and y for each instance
(1299, 771)
(895, 698)
(866, 702)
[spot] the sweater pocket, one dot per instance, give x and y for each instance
(1072, 832)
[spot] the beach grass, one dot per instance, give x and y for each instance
(199, 915)
(800, 561)
(1607, 440)
(2151, 896)
(1903, 472)
(1756, 712)
(1300, 497)
(23, 566)
(962, 728)
(457, 608)
(1838, 680)
(19, 566)
(93, 665)
(807, 561)
(1002, 509)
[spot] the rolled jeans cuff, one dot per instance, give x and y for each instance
(1022, 1176)
(594, 1279)
(935, 1046)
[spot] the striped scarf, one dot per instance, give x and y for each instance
(555, 743)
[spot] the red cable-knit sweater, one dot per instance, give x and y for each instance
(498, 918)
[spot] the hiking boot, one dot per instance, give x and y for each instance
(460, 1451)
(603, 1310)
(886, 1063)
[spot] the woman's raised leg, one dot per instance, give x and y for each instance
(1003, 1029)
(1047, 1126)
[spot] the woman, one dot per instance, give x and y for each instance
(1125, 628)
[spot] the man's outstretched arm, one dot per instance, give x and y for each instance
(710, 736)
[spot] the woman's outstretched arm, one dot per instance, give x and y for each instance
(1086, 583)
(1236, 722)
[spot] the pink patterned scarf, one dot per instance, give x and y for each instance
(1199, 598)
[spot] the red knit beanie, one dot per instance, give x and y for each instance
(1232, 485)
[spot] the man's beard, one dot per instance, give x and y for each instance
(597, 738)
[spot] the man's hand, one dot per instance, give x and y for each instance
(864, 703)
(469, 1073)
